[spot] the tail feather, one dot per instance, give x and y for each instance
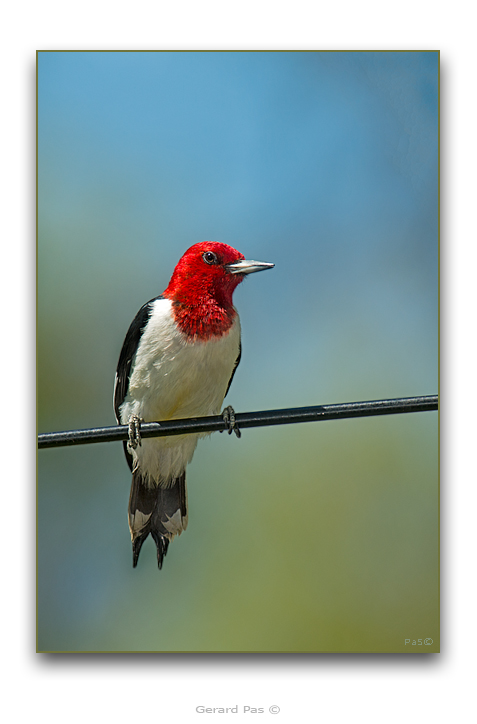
(160, 511)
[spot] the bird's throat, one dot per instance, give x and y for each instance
(203, 321)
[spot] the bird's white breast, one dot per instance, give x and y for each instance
(173, 378)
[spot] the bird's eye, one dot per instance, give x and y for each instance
(209, 257)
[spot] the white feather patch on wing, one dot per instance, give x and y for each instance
(139, 520)
(174, 525)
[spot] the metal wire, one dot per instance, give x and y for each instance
(243, 420)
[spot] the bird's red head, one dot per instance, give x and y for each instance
(202, 274)
(202, 286)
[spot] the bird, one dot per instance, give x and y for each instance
(177, 361)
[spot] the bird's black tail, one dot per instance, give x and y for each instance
(160, 511)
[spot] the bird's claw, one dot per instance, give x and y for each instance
(231, 425)
(134, 431)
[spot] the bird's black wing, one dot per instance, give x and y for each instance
(235, 367)
(129, 349)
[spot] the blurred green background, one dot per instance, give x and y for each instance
(313, 537)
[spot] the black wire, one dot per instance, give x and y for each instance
(243, 419)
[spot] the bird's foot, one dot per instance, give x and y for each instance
(134, 431)
(230, 423)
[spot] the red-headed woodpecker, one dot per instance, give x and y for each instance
(178, 360)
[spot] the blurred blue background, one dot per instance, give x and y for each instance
(316, 537)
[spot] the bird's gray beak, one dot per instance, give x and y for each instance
(247, 266)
